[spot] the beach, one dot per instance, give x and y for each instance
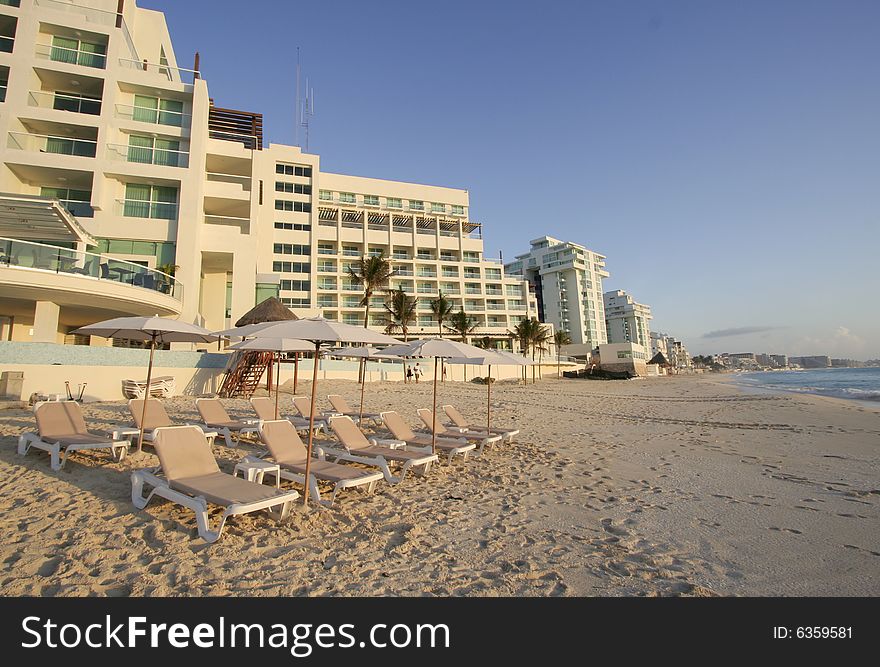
(659, 487)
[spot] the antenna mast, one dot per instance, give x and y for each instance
(308, 110)
(296, 108)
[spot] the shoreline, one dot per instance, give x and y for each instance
(730, 378)
(662, 487)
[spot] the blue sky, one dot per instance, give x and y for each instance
(725, 156)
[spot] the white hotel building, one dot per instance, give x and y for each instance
(116, 165)
(626, 320)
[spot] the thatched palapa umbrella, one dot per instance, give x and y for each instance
(271, 310)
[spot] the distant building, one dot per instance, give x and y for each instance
(763, 360)
(620, 357)
(627, 321)
(818, 361)
(778, 360)
(658, 344)
(567, 281)
(748, 356)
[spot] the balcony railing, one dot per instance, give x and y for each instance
(327, 286)
(78, 208)
(351, 253)
(63, 54)
(135, 208)
(327, 268)
(472, 260)
(36, 256)
(326, 251)
(64, 102)
(48, 144)
(177, 74)
(427, 274)
(495, 306)
(404, 272)
(422, 255)
(473, 290)
(153, 116)
(92, 15)
(145, 155)
(400, 256)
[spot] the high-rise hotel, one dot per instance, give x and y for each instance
(125, 189)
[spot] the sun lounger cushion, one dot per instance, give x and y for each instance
(223, 489)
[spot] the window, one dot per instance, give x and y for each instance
(394, 202)
(77, 103)
(78, 202)
(347, 197)
(371, 200)
(292, 303)
(293, 170)
(291, 267)
(325, 195)
(150, 201)
(291, 249)
(154, 150)
(293, 226)
(296, 285)
(296, 188)
(457, 210)
(284, 205)
(157, 110)
(438, 208)
(416, 205)
(70, 50)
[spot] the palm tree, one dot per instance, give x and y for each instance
(560, 338)
(373, 273)
(485, 343)
(441, 308)
(462, 324)
(540, 339)
(522, 333)
(401, 308)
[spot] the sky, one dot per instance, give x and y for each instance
(724, 156)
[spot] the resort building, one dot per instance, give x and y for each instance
(124, 189)
(567, 281)
(675, 352)
(627, 321)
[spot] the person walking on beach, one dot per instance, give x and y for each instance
(417, 373)
(409, 374)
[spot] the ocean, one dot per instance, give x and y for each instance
(862, 384)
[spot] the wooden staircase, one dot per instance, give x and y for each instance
(244, 373)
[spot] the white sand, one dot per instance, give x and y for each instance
(673, 486)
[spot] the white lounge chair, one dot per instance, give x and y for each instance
(215, 417)
(61, 428)
(265, 409)
(289, 452)
(342, 407)
(480, 439)
(461, 425)
(190, 477)
(354, 446)
(303, 405)
(421, 441)
(156, 417)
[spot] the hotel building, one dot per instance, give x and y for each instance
(124, 189)
(626, 320)
(567, 281)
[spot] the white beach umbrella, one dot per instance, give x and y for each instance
(318, 330)
(277, 345)
(362, 354)
(490, 358)
(152, 329)
(438, 348)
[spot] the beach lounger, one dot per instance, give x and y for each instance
(156, 417)
(265, 409)
(460, 424)
(215, 417)
(480, 439)
(341, 406)
(303, 405)
(401, 430)
(354, 446)
(62, 430)
(289, 452)
(190, 477)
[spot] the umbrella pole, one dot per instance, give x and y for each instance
(311, 424)
(146, 394)
(434, 411)
(363, 384)
(277, 385)
(295, 371)
(488, 397)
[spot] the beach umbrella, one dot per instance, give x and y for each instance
(152, 329)
(516, 359)
(362, 354)
(268, 310)
(438, 348)
(318, 330)
(277, 345)
(489, 358)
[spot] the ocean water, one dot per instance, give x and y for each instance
(862, 384)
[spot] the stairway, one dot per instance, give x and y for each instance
(244, 373)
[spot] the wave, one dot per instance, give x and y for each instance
(852, 393)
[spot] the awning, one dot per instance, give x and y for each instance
(34, 218)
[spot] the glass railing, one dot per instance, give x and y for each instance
(452, 290)
(473, 290)
(495, 306)
(426, 274)
(351, 253)
(153, 116)
(327, 268)
(63, 54)
(326, 251)
(471, 260)
(177, 74)
(327, 303)
(64, 102)
(36, 256)
(146, 155)
(78, 208)
(135, 208)
(327, 286)
(404, 272)
(48, 144)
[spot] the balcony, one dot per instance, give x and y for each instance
(326, 268)
(44, 99)
(404, 272)
(449, 274)
(426, 290)
(473, 290)
(145, 155)
(495, 306)
(471, 260)
(350, 253)
(426, 274)
(327, 251)
(153, 116)
(42, 143)
(401, 256)
(91, 15)
(424, 255)
(327, 285)
(38, 259)
(164, 72)
(78, 208)
(63, 54)
(135, 208)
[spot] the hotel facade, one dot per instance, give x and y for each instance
(626, 320)
(124, 189)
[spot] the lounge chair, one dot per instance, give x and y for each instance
(215, 417)
(342, 407)
(156, 417)
(481, 439)
(265, 409)
(289, 452)
(61, 427)
(354, 446)
(303, 405)
(190, 477)
(461, 425)
(401, 430)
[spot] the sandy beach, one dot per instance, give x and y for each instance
(672, 486)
